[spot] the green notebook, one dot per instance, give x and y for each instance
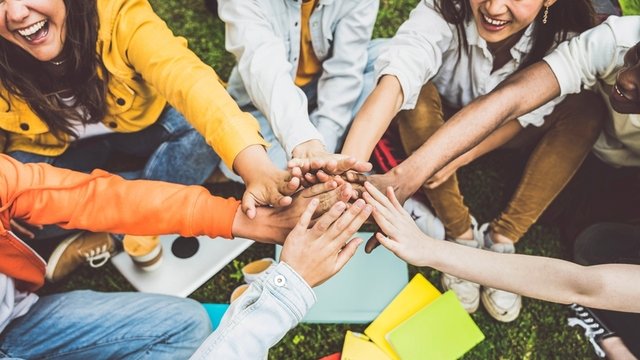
(441, 330)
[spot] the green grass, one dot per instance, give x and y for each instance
(539, 333)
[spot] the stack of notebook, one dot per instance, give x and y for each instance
(420, 323)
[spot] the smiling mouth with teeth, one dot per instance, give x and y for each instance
(494, 22)
(620, 92)
(35, 31)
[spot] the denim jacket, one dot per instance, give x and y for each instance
(264, 36)
(259, 318)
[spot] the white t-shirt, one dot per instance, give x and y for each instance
(13, 303)
(81, 129)
(425, 48)
(592, 61)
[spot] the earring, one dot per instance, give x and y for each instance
(545, 16)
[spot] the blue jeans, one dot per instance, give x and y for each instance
(175, 153)
(276, 152)
(92, 325)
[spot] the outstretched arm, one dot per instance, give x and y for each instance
(521, 93)
(600, 286)
(277, 302)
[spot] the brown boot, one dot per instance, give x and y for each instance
(84, 247)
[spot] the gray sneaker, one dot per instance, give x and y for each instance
(502, 305)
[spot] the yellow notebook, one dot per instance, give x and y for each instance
(358, 347)
(418, 293)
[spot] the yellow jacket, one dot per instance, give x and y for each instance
(147, 66)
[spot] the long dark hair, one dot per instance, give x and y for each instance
(564, 17)
(83, 74)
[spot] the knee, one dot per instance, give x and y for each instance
(427, 114)
(592, 242)
(194, 319)
(583, 114)
(190, 324)
(430, 97)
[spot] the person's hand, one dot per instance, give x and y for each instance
(327, 194)
(312, 156)
(318, 253)
(272, 225)
(390, 179)
(381, 182)
(23, 230)
(265, 183)
(403, 237)
(271, 188)
(446, 172)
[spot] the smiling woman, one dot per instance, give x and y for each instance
(80, 81)
(448, 53)
(38, 26)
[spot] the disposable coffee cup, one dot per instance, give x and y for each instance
(145, 251)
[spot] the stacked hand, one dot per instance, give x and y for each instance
(403, 237)
(319, 252)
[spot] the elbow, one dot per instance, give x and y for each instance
(587, 287)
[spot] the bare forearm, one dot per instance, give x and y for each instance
(374, 118)
(518, 95)
(498, 138)
(263, 228)
(603, 286)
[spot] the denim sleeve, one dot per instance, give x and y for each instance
(258, 319)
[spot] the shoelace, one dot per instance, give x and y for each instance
(589, 334)
(100, 253)
(592, 329)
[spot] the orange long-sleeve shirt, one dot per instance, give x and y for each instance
(42, 194)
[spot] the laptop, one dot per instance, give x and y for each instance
(187, 263)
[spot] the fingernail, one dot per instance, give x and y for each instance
(315, 201)
(359, 203)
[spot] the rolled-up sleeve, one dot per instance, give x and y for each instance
(415, 53)
(594, 55)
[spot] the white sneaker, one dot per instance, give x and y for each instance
(467, 292)
(502, 305)
(427, 222)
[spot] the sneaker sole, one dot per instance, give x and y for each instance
(57, 253)
(505, 318)
(472, 309)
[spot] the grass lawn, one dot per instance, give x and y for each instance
(539, 333)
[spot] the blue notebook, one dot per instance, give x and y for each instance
(364, 287)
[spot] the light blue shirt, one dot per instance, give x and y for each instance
(258, 319)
